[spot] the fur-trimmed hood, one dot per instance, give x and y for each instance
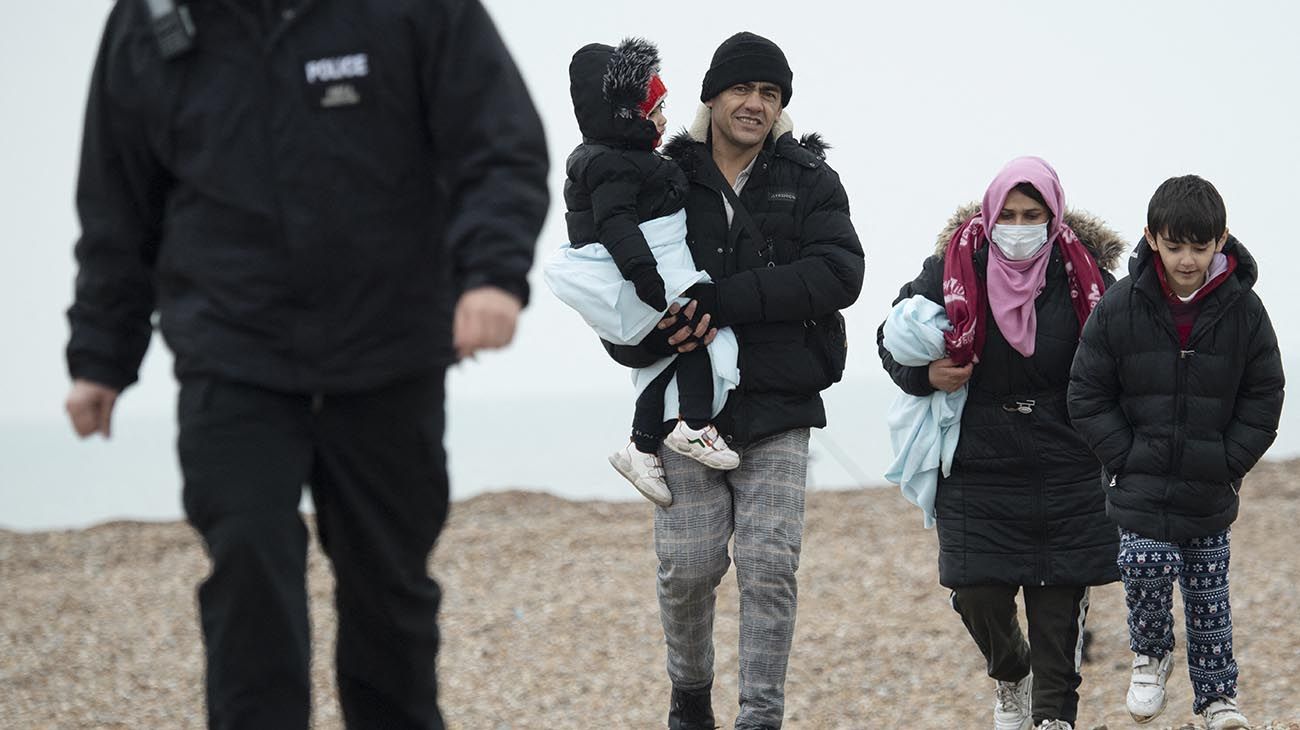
(607, 83)
(1107, 246)
(809, 149)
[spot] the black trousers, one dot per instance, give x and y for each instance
(1055, 615)
(377, 471)
(694, 372)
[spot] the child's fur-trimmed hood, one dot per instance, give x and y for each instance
(607, 84)
(627, 76)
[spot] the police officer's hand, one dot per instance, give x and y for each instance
(485, 319)
(945, 375)
(90, 407)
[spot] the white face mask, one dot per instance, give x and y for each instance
(1019, 242)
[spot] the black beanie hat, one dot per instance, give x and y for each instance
(747, 57)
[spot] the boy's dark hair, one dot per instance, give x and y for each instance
(1187, 209)
(1030, 191)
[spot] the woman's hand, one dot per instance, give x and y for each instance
(945, 374)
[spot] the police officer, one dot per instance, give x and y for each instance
(325, 202)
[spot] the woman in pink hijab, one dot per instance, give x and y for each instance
(1021, 509)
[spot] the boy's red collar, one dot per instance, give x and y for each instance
(1203, 291)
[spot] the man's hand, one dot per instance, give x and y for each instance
(705, 296)
(485, 319)
(946, 376)
(686, 339)
(90, 407)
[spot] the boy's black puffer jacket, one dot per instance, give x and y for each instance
(1177, 427)
(1022, 505)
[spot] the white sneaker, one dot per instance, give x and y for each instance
(1222, 714)
(1055, 725)
(704, 445)
(1146, 688)
(1012, 708)
(645, 471)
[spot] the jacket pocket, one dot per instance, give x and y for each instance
(776, 357)
(827, 339)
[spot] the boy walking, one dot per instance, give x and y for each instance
(1177, 386)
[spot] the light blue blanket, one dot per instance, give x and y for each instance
(922, 430)
(586, 279)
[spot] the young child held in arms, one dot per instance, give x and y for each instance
(1177, 387)
(627, 257)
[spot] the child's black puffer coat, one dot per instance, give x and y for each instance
(1177, 427)
(615, 178)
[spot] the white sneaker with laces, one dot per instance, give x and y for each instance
(645, 471)
(1146, 688)
(704, 445)
(1012, 706)
(1223, 714)
(1055, 725)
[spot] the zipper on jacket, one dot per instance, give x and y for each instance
(1180, 408)
(287, 17)
(1025, 414)
(1185, 354)
(726, 251)
(1180, 415)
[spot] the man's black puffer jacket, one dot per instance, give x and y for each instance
(1177, 427)
(1022, 504)
(809, 264)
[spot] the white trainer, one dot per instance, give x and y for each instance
(1055, 725)
(704, 445)
(645, 471)
(1146, 688)
(1013, 705)
(1223, 714)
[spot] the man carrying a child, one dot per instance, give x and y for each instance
(769, 221)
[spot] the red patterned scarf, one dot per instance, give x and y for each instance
(965, 299)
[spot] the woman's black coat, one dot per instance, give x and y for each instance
(1023, 503)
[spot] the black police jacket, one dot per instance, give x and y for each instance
(1177, 427)
(301, 198)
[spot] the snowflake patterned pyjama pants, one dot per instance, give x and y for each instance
(1200, 566)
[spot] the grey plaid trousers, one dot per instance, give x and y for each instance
(762, 504)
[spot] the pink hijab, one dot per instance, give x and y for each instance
(1012, 286)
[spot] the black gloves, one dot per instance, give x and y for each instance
(705, 295)
(706, 302)
(656, 341)
(649, 287)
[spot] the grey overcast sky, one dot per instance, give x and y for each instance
(922, 102)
